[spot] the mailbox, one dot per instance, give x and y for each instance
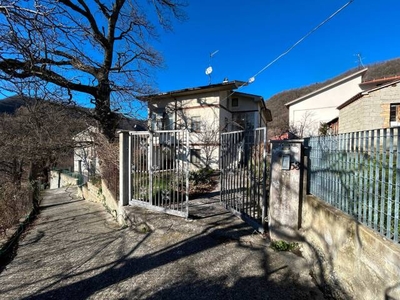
(286, 162)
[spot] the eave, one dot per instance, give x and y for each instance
(232, 85)
(327, 87)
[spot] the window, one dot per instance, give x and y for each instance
(196, 124)
(235, 102)
(156, 117)
(395, 112)
(156, 122)
(159, 123)
(243, 121)
(195, 156)
(161, 120)
(226, 126)
(167, 122)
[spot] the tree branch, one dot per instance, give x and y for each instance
(18, 69)
(88, 15)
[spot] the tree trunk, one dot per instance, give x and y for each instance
(108, 120)
(17, 172)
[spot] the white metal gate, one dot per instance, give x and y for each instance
(243, 175)
(159, 175)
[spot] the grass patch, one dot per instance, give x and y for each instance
(284, 246)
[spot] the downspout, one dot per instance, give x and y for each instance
(175, 113)
(261, 114)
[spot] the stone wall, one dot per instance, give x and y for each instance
(348, 259)
(58, 180)
(103, 196)
(351, 118)
(371, 111)
(354, 260)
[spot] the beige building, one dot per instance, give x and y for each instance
(206, 111)
(375, 108)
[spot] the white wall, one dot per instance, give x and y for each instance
(322, 107)
(85, 153)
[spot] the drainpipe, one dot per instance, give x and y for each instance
(176, 108)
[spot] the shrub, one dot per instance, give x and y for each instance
(95, 180)
(202, 176)
(15, 202)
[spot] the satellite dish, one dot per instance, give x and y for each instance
(209, 70)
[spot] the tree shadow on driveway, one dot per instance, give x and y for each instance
(183, 269)
(83, 256)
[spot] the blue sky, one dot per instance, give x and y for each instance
(250, 34)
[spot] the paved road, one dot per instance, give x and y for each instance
(76, 251)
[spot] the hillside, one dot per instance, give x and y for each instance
(280, 114)
(11, 104)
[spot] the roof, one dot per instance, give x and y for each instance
(380, 80)
(231, 85)
(361, 94)
(334, 120)
(327, 87)
(256, 97)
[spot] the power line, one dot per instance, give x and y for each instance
(251, 79)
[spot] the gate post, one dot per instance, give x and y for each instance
(124, 168)
(286, 189)
(264, 179)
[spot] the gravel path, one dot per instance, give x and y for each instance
(75, 250)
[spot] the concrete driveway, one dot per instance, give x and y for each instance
(75, 250)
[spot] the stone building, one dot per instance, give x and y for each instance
(375, 108)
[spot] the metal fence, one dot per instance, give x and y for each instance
(359, 173)
(159, 170)
(243, 175)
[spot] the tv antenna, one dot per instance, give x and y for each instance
(360, 60)
(210, 69)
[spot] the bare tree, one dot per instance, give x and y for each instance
(98, 48)
(305, 126)
(279, 126)
(36, 138)
(208, 138)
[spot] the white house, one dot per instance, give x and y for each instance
(86, 161)
(85, 157)
(320, 106)
(206, 111)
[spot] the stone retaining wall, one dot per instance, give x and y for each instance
(357, 262)
(58, 180)
(102, 195)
